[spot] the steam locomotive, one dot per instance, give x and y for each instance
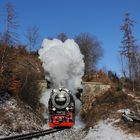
(61, 108)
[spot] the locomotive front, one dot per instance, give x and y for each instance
(61, 108)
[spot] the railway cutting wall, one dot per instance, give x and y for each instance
(91, 91)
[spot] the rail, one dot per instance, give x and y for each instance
(32, 135)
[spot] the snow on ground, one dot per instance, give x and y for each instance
(16, 119)
(104, 130)
(124, 110)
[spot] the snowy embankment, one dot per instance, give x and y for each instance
(105, 130)
(16, 117)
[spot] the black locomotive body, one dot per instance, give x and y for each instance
(61, 108)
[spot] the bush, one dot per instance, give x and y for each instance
(19, 72)
(30, 91)
(28, 72)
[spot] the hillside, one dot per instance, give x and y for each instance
(108, 107)
(17, 117)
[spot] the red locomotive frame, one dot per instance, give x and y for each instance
(62, 120)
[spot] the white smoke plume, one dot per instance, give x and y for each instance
(63, 65)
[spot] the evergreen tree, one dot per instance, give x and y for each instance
(129, 50)
(9, 36)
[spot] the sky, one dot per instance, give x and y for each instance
(100, 18)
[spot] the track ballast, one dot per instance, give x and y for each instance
(32, 135)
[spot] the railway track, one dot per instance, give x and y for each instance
(32, 135)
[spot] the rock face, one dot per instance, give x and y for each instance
(91, 91)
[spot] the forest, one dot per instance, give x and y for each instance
(20, 68)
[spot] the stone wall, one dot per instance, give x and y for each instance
(91, 91)
(42, 84)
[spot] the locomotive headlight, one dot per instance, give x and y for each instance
(67, 108)
(54, 109)
(60, 89)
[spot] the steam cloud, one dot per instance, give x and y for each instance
(63, 65)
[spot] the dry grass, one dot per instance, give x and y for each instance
(106, 106)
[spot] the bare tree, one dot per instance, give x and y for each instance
(9, 36)
(91, 49)
(129, 50)
(32, 37)
(62, 36)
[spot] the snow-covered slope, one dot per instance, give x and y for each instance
(104, 130)
(16, 117)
